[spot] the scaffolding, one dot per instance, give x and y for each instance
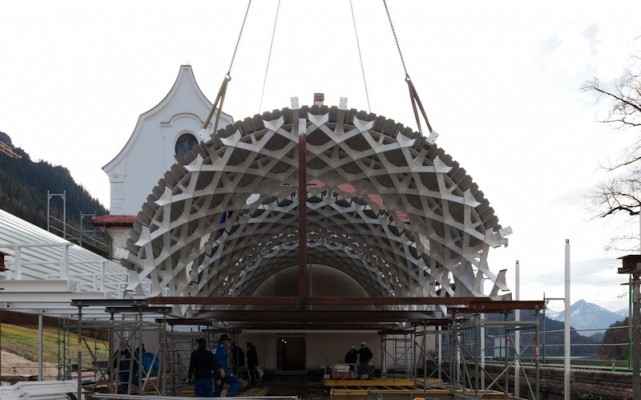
(126, 368)
(129, 369)
(455, 356)
(176, 349)
(92, 342)
(475, 373)
(399, 349)
(437, 354)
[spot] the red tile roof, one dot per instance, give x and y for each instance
(108, 221)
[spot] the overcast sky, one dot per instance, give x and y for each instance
(500, 80)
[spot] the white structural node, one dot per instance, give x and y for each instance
(383, 205)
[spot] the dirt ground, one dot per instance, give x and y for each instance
(13, 365)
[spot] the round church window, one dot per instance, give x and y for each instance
(184, 144)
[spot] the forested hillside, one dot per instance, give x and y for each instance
(617, 342)
(551, 341)
(24, 185)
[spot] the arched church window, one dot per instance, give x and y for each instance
(184, 144)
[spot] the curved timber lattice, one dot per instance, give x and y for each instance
(384, 206)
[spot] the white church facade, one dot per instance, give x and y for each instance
(162, 136)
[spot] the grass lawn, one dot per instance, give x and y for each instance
(23, 340)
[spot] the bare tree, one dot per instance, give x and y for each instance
(621, 192)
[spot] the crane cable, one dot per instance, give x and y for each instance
(360, 56)
(220, 97)
(416, 101)
(269, 57)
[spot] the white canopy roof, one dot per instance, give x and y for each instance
(43, 273)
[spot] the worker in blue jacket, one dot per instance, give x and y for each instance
(223, 366)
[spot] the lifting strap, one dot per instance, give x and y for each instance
(416, 102)
(417, 105)
(220, 97)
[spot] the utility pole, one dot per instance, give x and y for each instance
(567, 365)
(517, 333)
(631, 264)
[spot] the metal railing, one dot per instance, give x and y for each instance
(615, 355)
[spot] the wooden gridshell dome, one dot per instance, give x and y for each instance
(383, 205)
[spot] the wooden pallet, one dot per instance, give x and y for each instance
(396, 389)
(254, 392)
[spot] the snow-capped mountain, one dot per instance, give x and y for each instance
(551, 314)
(623, 313)
(589, 317)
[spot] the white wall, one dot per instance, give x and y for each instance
(323, 348)
(150, 151)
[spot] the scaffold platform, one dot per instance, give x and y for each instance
(400, 389)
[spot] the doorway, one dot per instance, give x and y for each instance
(290, 353)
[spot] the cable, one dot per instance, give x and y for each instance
(269, 57)
(223, 87)
(360, 56)
(398, 46)
(240, 34)
(417, 105)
